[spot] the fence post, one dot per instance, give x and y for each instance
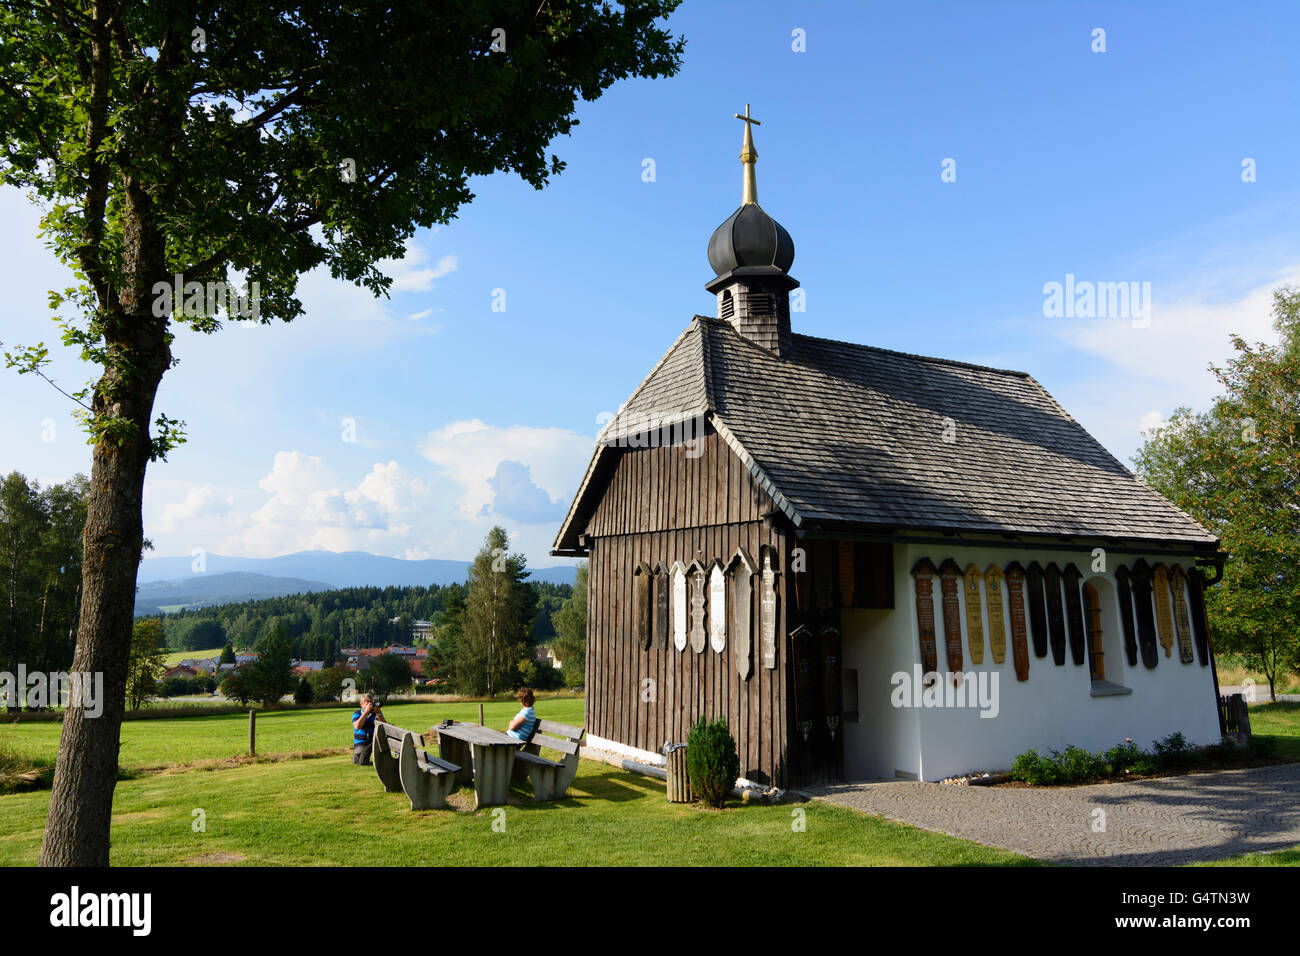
(252, 733)
(480, 715)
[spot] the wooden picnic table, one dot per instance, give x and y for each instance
(485, 755)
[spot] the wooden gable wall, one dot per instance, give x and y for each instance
(662, 506)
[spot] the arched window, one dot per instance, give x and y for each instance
(727, 308)
(1092, 623)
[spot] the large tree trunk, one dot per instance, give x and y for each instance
(77, 830)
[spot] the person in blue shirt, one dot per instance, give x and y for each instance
(526, 721)
(363, 730)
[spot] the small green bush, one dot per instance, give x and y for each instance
(1078, 765)
(1174, 750)
(1122, 759)
(1032, 768)
(712, 763)
(303, 693)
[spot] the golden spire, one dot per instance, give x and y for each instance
(748, 156)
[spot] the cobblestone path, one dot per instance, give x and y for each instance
(1161, 822)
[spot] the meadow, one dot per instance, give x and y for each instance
(190, 795)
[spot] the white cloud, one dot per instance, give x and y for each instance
(201, 501)
(1184, 336)
(307, 507)
(471, 452)
(411, 274)
(1151, 421)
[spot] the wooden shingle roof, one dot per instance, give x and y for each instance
(853, 437)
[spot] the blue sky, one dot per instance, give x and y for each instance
(1123, 165)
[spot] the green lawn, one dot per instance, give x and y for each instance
(1281, 721)
(1289, 857)
(158, 743)
(323, 811)
(326, 812)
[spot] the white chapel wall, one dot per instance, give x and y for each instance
(1053, 709)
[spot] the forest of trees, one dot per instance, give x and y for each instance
(321, 623)
(40, 554)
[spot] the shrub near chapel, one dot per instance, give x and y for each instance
(712, 762)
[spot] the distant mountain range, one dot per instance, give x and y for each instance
(202, 590)
(173, 582)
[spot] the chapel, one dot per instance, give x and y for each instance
(872, 564)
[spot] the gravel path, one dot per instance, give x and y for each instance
(1161, 822)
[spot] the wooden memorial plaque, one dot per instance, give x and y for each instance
(1178, 582)
(832, 680)
(1055, 613)
(741, 569)
(680, 606)
(1124, 588)
(974, 615)
(995, 583)
(804, 648)
(767, 609)
(662, 623)
(1146, 620)
(1074, 614)
(698, 581)
(643, 605)
(1037, 610)
(1200, 625)
(847, 579)
(823, 571)
(949, 583)
(923, 574)
(1164, 609)
(718, 616)
(1019, 639)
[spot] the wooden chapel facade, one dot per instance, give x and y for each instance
(759, 509)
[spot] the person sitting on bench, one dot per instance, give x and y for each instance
(524, 724)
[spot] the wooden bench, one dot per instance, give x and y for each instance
(402, 764)
(550, 780)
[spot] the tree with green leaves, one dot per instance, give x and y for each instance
(227, 655)
(40, 564)
(270, 676)
(195, 159)
(1236, 469)
(387, 674)
(499, 609)
(146, 666)
(570, 644)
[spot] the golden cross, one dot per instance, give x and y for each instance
(748, 156)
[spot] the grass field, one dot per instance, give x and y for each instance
(149, 744)
(324, 811)
(1281, 721)
(303, 803)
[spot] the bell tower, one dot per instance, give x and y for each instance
(751, 254)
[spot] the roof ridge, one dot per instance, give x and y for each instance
(646, 381)
(914, 355)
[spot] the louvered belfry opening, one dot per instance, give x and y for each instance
(760, 311)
